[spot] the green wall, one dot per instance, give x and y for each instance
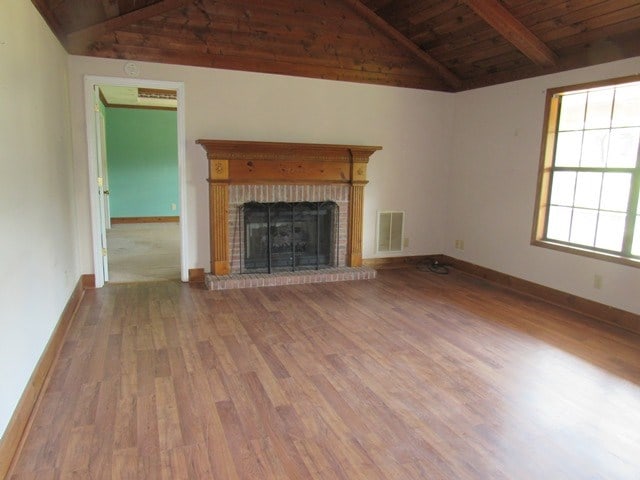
(142, 162)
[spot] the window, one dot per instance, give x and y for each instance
(590, 171)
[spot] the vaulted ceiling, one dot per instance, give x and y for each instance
(447, 45)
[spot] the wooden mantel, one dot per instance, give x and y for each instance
(242, 162)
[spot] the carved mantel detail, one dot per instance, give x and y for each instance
(242, 162)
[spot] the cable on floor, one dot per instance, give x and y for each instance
(434, 266)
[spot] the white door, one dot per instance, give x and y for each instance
(102, 152)
(101, 170)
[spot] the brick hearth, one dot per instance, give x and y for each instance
(253, 280)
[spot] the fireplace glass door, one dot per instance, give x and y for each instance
(286, 236)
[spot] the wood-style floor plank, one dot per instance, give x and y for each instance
(409, 376)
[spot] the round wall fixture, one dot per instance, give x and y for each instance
(131, 69)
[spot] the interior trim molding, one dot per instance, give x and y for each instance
(12, 441)
(598, 311)
(196, 276)
(168, 219)
(386, 263)
(88, 281)
(140, 107)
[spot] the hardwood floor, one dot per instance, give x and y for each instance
(409, 376)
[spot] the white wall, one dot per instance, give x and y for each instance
(413, 126)
(492, 187)
(37, 246)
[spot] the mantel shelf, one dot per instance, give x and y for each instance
(275, 162)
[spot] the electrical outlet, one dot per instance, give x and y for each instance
(597, 281)
(174, 207)
(406, 242)
(459, 244)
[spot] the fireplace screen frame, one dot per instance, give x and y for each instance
(282, 217)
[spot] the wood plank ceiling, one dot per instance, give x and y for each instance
(447, 45)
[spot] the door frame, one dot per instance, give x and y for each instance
(92, 159)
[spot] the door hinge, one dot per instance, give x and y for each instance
(96, 108)
(104, 252)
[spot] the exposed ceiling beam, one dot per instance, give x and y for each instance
(371, 17)
(492, 12)
(78, 41)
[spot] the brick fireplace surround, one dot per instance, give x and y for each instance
(241, 171)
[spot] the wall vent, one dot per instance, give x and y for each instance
(390, 231)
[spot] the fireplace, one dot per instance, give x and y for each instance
(242, 195)
(272, 173)
(285, 236)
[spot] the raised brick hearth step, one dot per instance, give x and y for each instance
(253, 280)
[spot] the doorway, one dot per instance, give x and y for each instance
(137, 180)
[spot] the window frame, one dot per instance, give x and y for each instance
(546, 168)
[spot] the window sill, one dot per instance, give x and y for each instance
(631, 262)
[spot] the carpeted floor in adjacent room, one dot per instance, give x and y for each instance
(142, 252)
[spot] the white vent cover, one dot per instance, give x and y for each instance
(390, 231)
